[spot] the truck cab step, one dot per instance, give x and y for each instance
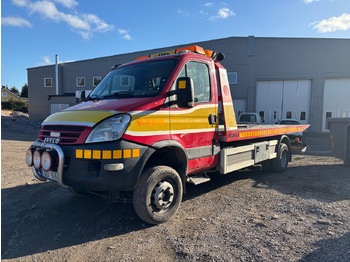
(198, 179)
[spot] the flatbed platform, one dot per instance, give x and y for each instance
(243, 132)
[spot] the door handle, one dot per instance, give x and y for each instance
(212, 119)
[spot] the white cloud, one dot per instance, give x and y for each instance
(125, 34)
(46, 9)
(340, 23)
(310, 1)
(223, 13)
(15, 21)
(209, 4)
(100, 25)
(47, 60)
(20, 2)
(67, 3)
(182, 12)
(84, 24)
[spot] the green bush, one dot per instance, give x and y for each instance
(6, 105)
(15, 105)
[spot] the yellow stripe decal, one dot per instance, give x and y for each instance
(81, 117)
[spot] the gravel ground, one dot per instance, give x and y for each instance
(250, 215)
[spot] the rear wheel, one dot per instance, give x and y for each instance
(280, 163)
(158, 194)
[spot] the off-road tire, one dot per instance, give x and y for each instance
(158, 194)
(280, 163)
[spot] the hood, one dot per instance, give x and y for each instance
(91, 112)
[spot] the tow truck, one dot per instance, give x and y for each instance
(150, 127)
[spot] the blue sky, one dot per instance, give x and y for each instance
(33, 31)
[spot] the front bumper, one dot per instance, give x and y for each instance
(100, 167)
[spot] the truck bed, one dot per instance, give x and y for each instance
(244, 132)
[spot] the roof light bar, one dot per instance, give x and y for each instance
(193, 48)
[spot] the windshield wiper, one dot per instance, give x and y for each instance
(92, 97)
(124, 92)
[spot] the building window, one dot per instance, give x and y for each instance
(232, 78)
(289, 115)
(80, 81)
(96, 80)
(328, 114)
(303, 116)
(47, 82)
(274, 115)
(4, 94)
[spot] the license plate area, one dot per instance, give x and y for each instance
(51, 175)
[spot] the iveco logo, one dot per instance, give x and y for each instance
(52, 140)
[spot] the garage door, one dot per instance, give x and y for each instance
(289, 99)
(336, 99)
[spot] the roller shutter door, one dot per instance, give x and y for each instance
(290, 99)
(336, 99)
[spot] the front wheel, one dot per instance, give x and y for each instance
(158, 194)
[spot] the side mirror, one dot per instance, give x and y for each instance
(184, 92)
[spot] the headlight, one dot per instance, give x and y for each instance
(110, 129)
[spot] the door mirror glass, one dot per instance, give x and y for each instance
(184, 92)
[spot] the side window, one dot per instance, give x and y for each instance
(199, 72)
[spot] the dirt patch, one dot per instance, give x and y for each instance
(248, 215)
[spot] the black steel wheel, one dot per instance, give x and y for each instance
(158, 194)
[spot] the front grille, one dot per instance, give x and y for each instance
(68, 135)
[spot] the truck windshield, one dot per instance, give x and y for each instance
(145, 79)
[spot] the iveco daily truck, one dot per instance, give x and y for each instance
(151, 126)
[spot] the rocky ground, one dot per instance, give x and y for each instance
(250, 215)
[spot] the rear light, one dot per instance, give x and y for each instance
(46, 161)
(37, 159)
(29, 157)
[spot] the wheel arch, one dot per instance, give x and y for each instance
(170, 153)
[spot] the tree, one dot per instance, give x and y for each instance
(14, 90)
(24, 92)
